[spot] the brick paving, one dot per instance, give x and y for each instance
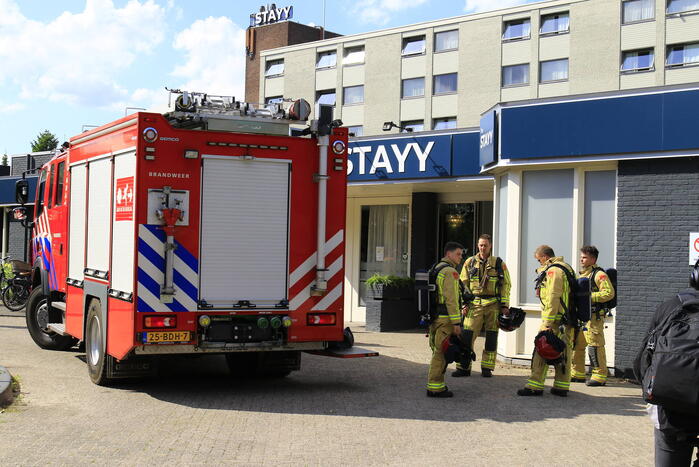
(359, 411)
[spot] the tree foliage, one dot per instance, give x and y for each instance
(4, 159)
(45, 141)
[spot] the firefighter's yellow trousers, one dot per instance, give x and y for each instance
(440, 330)
(480, 317)
(562, 369)
(592, 338)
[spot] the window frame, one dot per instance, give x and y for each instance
(406, 40)
(269, 100)
(683, 64)
(344, 95)
(411, 123)
(60, 182)
(502, 76)
(679, 13)
(435, 121)
(267, 68)
(443, 93)
(325, 92)
(351, 127)
(402, 88)
(445, 32)
(345, 54)
(637, 70)
(553, 33)
(644, 20)
(561, 80)
(326, 53)
(39, 202)
(518, 38)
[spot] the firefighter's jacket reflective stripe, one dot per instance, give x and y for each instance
(449, 292)
(554, 292)
(481, 278)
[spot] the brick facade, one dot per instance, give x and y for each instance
(272, 36)
(658, 205)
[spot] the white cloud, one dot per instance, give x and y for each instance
(75, 57)
(475, 6)
(10, 108)
(214, 51)
(379, 11)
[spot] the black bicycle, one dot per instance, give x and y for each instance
(16, 293)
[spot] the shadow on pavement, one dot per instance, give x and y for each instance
(384, 387)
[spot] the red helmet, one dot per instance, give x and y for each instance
(549, 346)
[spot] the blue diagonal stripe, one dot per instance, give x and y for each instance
(185, 286)
(144, 307)
(149, 283)
(186, 257)
(156, 230)
(152, 255)
(176, 306)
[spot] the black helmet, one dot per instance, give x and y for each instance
(512, 321)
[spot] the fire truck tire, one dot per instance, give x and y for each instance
(95, 354)
(37, 323)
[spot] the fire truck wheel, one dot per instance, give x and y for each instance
(37, 324)
(95, 355)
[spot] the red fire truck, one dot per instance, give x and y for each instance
(207, 229)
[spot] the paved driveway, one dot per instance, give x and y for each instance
(369, 411)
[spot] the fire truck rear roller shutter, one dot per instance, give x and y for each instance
(76, 236)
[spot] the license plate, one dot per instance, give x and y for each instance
(167, 336)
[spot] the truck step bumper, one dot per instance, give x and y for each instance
(352, 352)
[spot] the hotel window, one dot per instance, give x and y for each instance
(515, 75)
(553, 70)
(413, 46)
(447, 40)
(516, 29)
(357, 130)
(413, 87)
(274, 100)
(445, 84)
(557, 23)
(446, 123)
(638, 60)
(353, 55)
(326, 59)
(274, 68)
(633, 11)
(416, 125)
(353, 95)
(326, 97)
(682, 55)
(681, 6)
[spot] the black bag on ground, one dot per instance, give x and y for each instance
(668, 363)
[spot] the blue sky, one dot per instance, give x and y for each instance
(69, 63)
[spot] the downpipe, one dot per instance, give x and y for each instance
(321, 285)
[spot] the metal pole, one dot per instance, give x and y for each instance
(4, 232)
(323, 19)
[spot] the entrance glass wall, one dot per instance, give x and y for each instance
(457, 223)
(384, 243)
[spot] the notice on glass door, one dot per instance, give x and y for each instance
(379, 253)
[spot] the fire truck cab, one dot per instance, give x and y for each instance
(207, 229)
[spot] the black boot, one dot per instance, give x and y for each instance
(445, 393)
(461, 373)
(529, 392)
(486, 372)
(559, 392)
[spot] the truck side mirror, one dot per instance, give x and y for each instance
(22, 191)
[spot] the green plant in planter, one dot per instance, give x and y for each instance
(380, 283)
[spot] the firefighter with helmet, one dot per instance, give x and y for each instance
(554, 292)
(486, 278)
(448, 319)
(593, 335)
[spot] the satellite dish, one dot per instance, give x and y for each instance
(300, 110)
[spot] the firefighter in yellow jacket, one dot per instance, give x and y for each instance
(448, 321)
(592, 335)
(554, 293)
(486, 277)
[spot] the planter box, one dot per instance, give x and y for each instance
(391, 315)
(382, 292)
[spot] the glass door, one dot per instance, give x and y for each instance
(384, 243)
(457, 222)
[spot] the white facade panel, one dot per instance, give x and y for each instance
(682, 29)
(445, 62)
(554, 47)
(637, 80)
(412, 109)
(99, 214)
(554, 89)
(514, 53)
(274, 86)
(516, 93)
(682, 75)
(638, 36)
(123, 222)
(444, 106)
(413, 67)
(76, 229)
(244, 217)
(326, 79)
(353, 75)
(353, 115)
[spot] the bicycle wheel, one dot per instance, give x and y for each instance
(14, 297)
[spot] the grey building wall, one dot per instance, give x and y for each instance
(19, 163)
(15, 240)
(658, 205)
